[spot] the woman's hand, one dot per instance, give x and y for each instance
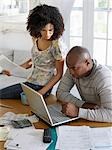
(6, 72)
(27, 64)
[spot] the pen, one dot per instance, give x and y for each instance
(6, 106)
(14, 145)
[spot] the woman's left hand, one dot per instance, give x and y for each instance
(6, 72)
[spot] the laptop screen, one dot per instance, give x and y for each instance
(36, 102)
(50, 114)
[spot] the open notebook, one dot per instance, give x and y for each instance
(49, 113)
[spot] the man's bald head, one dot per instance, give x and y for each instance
(79, 61)
(79, 52)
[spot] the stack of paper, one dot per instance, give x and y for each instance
(25, 139)
(84, 138)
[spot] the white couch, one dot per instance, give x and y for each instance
(17, 56)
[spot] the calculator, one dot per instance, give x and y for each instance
(21, 123)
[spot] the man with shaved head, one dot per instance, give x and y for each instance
(94, 83)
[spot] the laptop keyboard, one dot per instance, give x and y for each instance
(56, 114)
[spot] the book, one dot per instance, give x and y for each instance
(18, 73)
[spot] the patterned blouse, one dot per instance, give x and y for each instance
(44, 62)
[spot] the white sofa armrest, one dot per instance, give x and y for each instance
(8, 53)
(20, 56)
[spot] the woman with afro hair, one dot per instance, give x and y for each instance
(45, 25)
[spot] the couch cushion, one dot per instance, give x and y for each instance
(8, 53)
(20, 56)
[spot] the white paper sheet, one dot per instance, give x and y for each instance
(6, 81)
(84, 138)
(76, 138)
(102, 138)
(15, 69)
(3, 133)
(27, 139)
(18, 74)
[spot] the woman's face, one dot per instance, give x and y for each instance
(47, 31)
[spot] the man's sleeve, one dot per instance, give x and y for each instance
(104, 91)
(100, 115)
(64, 88)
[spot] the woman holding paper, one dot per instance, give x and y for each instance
(45, 25)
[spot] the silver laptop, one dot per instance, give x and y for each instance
(49, 113)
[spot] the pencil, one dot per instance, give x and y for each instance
(6, 106)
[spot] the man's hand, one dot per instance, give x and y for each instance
(6, 72)
(70, 109)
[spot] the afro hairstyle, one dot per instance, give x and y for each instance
(40, 16)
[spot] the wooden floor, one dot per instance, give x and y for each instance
(17, 107)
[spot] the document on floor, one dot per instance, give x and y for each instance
(84, 138)
(26, 139)
(8, 116)
(101, 138)
(71, 137)
(3, 133)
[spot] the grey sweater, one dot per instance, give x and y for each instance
(95, 88)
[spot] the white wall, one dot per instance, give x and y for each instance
(13, 34)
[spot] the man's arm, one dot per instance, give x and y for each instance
(93, 112)
(100, 114)
(88, 111)
(63, 91)
(104, 91)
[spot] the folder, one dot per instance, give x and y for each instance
(54, 138)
